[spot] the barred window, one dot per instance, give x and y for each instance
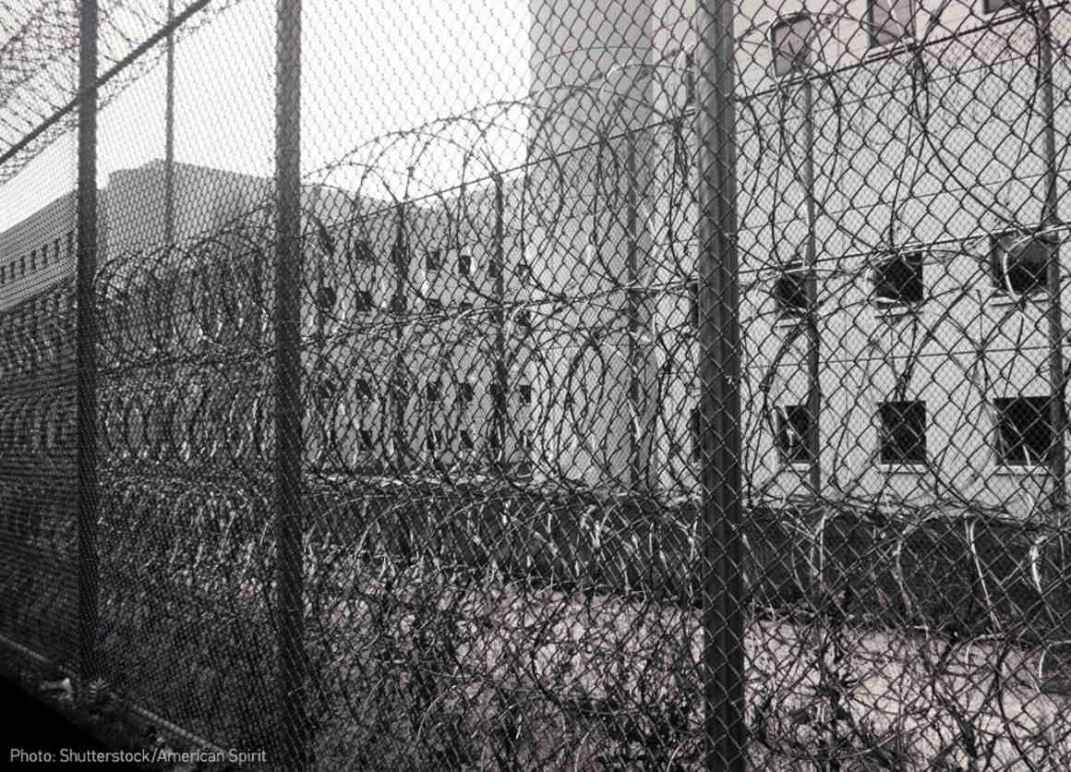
(903, 432)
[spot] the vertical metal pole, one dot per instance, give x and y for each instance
(288, 408)
(814, 389)
(169, 133)
(85, 345)
(719, 382)
(500, 406)
(400, 259)
(1050, 218)
(632, 310)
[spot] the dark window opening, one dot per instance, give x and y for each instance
(793, 423)
(434, 440)
(1024, 431)
(466, 439)
(22, 265)
(1018, 262)
(790, 290)
(524, 319)
(33, 259)
(433, 304)
(326, 295)
(366, 439)
(433, 260)
(790, 41)
(362, 389)
(524, 272)
(888, 21)
(992, 6)
(465, 392)
(362, 301)
(70, 243)
(524, 393)
(433, 390)
(899, 280)
(55, 250)
(398, 304)
(902, 438)
(494, 268)
(362, 251)
(464, 264)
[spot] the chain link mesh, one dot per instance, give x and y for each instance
(621, 384)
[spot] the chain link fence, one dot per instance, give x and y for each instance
(550, 384)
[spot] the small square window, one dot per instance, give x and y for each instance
(400, 389)
(889, 21)
(433, 390)
(365, 438)
(1024, 431)
(1018, 262)
(362, 251)
(524, 272)
(793, 424)
(524, 393)
(465, 392)
(790, 290)
(433, 260)
(902, 436)
(898, 280)
(326, 295)
(464, 264)
(524, 319)
(790, 43)
(362, 301)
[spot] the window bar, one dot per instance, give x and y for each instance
(1050, 219)
(499, 406)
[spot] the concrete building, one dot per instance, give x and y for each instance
(924, 204)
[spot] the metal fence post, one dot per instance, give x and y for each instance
(85, 345)
(499, 406)
(814, 388)
(1050, 218)
(719, 384)
(288, 407)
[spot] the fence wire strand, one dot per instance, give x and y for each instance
(630, 419)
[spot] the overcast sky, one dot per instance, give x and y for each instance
(368, 68)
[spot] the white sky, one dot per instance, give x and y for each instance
(368, 68)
